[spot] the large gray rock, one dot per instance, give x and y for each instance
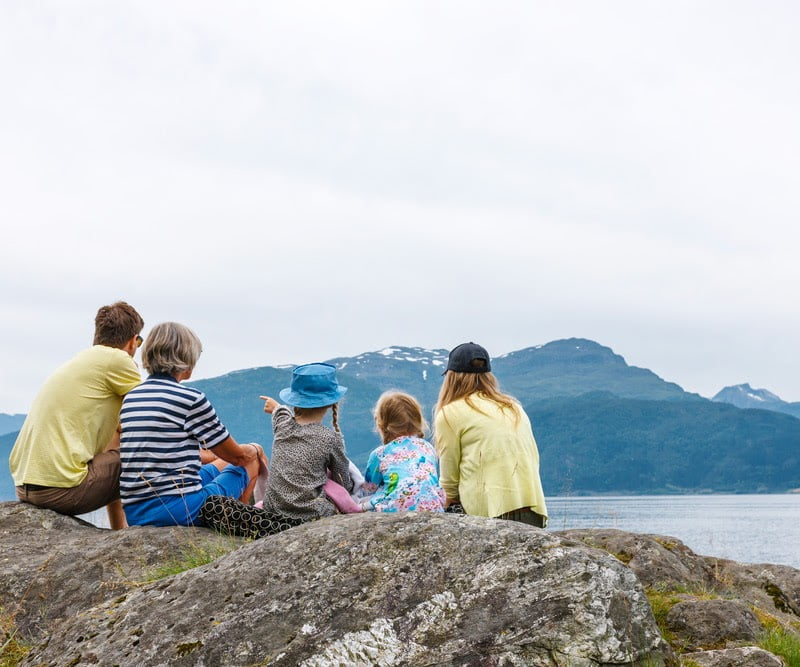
(665, 563)
(402, 589)
(771, 586)
(53, 566)
(704, 624)
(747, 656)
(659, 561)
(667, 566)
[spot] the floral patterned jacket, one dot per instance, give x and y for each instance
(405, 476)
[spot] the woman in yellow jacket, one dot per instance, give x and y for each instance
(488, 457)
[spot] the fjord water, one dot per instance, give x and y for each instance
(745, 528)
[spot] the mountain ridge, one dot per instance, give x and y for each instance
(745, 397)
(10, 423)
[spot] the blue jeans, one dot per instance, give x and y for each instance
(182, 510)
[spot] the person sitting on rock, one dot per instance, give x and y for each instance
(306, 454)
(310, 474)
(487, 453)
(175, 451)
(404, 470)
(66, 457)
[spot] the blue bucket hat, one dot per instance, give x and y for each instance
(313, 386)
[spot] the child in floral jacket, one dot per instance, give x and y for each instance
(404, 470)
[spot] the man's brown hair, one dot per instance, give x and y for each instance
(116, 324)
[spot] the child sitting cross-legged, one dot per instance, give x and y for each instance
(308, 458)
(404, 470)
(309, 471)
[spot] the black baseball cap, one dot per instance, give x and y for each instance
(462, 356)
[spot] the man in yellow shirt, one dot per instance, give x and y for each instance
(66, 457)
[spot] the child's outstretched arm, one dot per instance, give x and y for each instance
(269, 404)
(281, 415)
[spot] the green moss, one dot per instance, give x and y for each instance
(187, 648)
(778, 597)
(767, 621)
(12, 648)
(669, 545)
(783, 643)
(622, 557)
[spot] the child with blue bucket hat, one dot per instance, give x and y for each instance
(310, 474)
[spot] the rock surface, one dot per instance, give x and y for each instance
(657, 560)
(406, 589)
(663, 562)
(53, 566)
(716, 602)
(711, 624)
(403, 589)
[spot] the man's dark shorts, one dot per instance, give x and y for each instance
(99, 488)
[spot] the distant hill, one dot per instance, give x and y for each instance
(6, 482)
(578, 366)
(10, 423)
(601, 443)
(744, 396)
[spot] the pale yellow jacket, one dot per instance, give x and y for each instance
(73, 418)
(488, 458)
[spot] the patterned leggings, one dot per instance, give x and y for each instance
(232, 517)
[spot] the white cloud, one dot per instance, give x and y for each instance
(310, 180)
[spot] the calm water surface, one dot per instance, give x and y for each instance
(746, 528)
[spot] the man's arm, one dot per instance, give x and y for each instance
(116, 515)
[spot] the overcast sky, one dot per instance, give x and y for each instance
(299, 181)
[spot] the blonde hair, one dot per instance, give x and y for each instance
(457, 386)
(397, 414)
(171, 348)
(320, 412)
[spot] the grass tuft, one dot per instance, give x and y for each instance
(191, 556)
(12, 648)
(783, 643)
(661, 602)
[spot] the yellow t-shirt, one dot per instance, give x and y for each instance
(488, 460)
(73, 418)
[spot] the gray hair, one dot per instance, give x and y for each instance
(171, 348)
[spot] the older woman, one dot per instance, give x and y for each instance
(175, 451)
(487, 453)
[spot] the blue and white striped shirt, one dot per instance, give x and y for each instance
(163, 426)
